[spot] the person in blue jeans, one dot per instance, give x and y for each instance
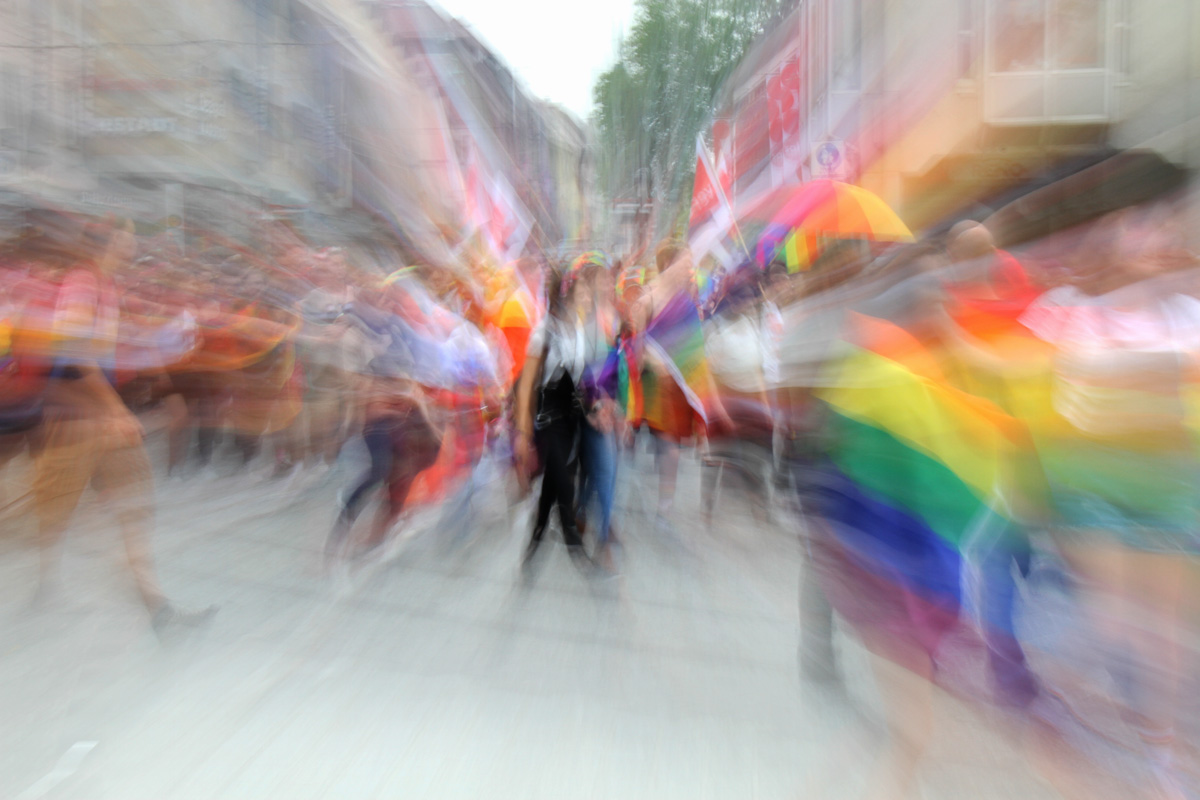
(598, 439)
(599, 451)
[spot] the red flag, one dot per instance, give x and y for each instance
(776, 97)
(752, 142)
(705, 193)
(722, 154)
(790, 99)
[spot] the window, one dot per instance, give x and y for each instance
(1047, 61)
(1019, 34)
(1034, 35)
(1077, 28)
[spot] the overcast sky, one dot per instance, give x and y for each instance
(557, 47)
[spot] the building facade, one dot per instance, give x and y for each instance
(940, 104)
(351, 118)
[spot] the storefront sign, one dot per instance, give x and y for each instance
(133, 126)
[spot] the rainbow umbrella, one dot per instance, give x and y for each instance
(826, 209)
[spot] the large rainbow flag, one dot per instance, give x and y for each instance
(914, 465)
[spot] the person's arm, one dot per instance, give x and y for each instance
(673, 280)
(523, 408)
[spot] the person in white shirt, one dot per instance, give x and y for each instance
(737, 350)
(548, 415)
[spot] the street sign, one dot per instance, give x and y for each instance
(829, 160)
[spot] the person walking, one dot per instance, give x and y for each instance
(88, 435)
(554, 366)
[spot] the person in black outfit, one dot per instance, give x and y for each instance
(555, 361)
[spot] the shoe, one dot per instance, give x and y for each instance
(582, 561)
(530, 550)
(168, 619)
(604, 561)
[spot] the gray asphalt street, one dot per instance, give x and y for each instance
(434, 671)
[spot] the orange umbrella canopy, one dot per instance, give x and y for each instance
(827, 209)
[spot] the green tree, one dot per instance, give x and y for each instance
(651, 104)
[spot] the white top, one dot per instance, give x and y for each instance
(567, 348)
(737, 353)
(1121, 359)
(1123, 319)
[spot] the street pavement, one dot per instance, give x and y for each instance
(433, 671)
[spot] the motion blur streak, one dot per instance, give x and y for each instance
(818, 418)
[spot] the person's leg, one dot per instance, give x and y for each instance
(560, 469)
(759, 472)
(248, 445)
(1154, 588)
(204, 410)
(1006, 658)
(604, 477)
(399, 484)
(206, 440)
(126, 476)
(903, 672)
(11, 446)
(378, 441)
(324, 419)
(548, 495)
(339, 428)
(414, 450)
(817, 656)
(62, 469)
(1135, 602)
(711, 471)
(546, 500)
(667, 460)
(179, 431)
(585, 482)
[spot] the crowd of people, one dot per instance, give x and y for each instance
(941, 415)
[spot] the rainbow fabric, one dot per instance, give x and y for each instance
(914, 465)
(676, 337)
(629, 382)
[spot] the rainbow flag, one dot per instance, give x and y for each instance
(629, 383)
(914, 466)
(676, 337)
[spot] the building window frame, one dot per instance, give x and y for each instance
(1050, 80)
